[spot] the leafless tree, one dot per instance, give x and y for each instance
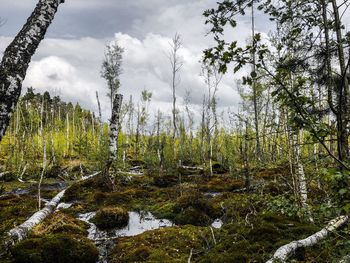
(176, 65)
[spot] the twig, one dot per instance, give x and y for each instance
(189, 258)
(212, 233)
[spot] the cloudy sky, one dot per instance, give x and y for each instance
(68, 61)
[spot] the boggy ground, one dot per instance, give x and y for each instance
(256, 222)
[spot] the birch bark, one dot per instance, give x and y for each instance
(17, 56)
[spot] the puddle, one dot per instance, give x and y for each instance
(63, 206)
(19, 191)
(212, 194)
(217, 223)
(139, 222)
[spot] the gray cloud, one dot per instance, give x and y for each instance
(68, 60)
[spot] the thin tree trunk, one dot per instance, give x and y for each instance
(42, 132)
(343, 94)
(114, 128)
(255, 97)
(300, 176)
(99, 116)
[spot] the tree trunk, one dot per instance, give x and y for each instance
(255, 96)
(343, 93)
(17, 56)
(300, 176)
(100, 117)
(114, 128)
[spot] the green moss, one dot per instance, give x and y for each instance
(220, 183)
(58, 248)
(111, 217)
(163, 210)
(192, 216)
(166, 180)
(256, 240)
(60, 223)
(14, 210)
(171, 244)
(194, 208)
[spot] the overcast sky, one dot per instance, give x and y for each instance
(68, 61)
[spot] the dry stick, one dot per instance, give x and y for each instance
(20, 178)
(283, 252)
(189, 258)
(20, 232)
(212, 233)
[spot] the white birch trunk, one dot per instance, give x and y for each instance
(300, 175)
(114, 128)
(283, 252)
(17, 56)
(99, 116)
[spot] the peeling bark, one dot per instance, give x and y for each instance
(283, 252)
(114, 128)
(17, 57)
(301, 177)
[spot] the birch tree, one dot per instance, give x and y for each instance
(111, 69)
(176, 64)
(17, 56)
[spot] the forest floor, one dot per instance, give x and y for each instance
(203, 219)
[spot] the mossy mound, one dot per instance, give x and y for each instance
(195, 209)
(163, 210)
(111, 217)
(172, 244)
(59, 248)
(59, 223)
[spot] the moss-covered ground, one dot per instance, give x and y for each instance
(256, 222)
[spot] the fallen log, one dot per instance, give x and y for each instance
(192, 168)
(20, 232)
(283, 252)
